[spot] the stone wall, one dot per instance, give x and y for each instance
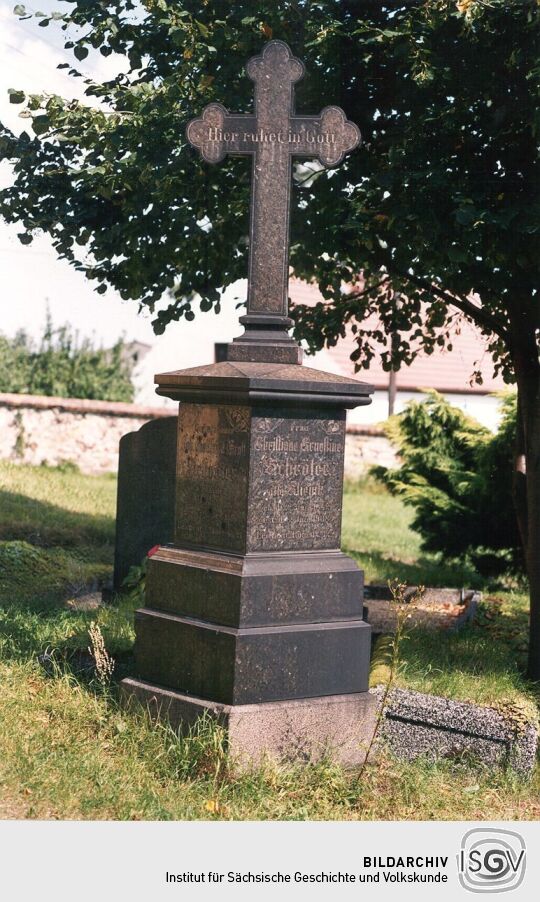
(366, 446)
(36, 430)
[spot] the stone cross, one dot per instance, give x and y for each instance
(273, 134)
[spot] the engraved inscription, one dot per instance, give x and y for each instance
(296, 482)
(263, 136)
(272, 135)
(212, 475)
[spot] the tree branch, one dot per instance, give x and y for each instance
(478, 314)
(346, 299)
(356, 295)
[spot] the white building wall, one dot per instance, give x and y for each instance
(484, 408)
(189, 344)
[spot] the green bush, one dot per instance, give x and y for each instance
(60, 365)
(457, 476)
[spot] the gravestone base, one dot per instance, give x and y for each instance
(253, 613)
(301, 730)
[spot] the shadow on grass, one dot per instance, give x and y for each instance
(470, 650)
(50, 632)
(44, 524)
(48, 555)
(424, 571)
(79, 663)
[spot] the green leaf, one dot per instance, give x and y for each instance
(41, 124)
(20, 10)
(16, 96)
(25, 238)
(465, 217)
(178, 36)
(203, 29)
(80, 51)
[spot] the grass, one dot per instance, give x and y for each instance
(82, 515)
(483, 662)
(377, 533)
(67, 750)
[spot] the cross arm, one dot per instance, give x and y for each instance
(218, 132)
(328, 136)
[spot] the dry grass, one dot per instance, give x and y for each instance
(68, 751)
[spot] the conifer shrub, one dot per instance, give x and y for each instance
(457, 476)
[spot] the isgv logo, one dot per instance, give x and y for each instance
(491, 861)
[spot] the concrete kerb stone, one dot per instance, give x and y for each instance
(417, 724)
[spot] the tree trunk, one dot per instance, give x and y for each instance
(527, 369)
(519, 480)
(532, 446)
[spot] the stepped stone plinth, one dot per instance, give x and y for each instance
(253, 613)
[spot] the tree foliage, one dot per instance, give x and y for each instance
(440, 198)
(457, 476)
(60, 365)
(440, 205)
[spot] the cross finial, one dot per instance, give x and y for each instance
(272, 135)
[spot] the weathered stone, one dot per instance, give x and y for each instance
(271, 473)
(365, 447)
(272, 135)
(37, 430)
(241, 610)
(298, 730)
(416, 724)
(254, 589)
(145, 498)
(255, 601)
(252, 664)
(40, 430)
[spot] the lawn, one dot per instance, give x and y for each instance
(68, 751)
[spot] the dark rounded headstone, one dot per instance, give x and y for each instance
(146, 493)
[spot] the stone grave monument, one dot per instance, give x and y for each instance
(252, 612)
(146, 485)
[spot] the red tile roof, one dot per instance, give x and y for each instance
(446, 371)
